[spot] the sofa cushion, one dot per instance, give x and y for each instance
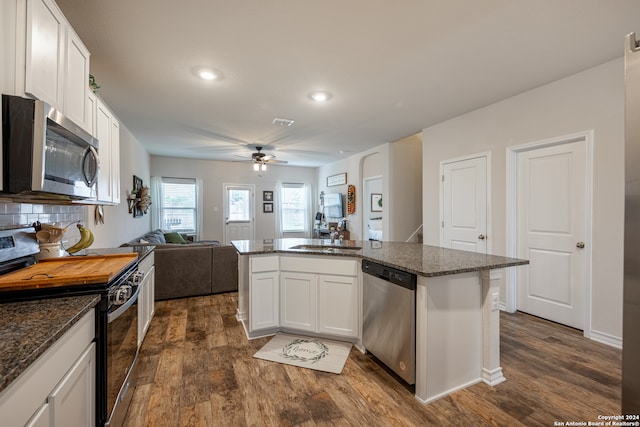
(154, 237)
(174, 238)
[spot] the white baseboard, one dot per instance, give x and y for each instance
(448, 392)
(494, 377)
(607, 339)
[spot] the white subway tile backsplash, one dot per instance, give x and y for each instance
(16, 215)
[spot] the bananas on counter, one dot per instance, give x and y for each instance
(86, 240)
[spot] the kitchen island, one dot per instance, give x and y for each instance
(457, 301)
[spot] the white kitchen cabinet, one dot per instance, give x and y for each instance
(338, 305)
(76, 83)
(45, 52)
(73, 400)
(58, 389)
(107, 130)
(44, 58)
(298, 300)
(264, 300)
(147, 295)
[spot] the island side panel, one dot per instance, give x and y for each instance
(449, 335)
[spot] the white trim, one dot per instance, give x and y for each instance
(511, 216)
(489, 226)
(607, 339)
(448, 392)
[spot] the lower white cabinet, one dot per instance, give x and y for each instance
(298, 300)
(338, 305)
(263, 301)
(59, 388)
(296, 293)
(146, 305)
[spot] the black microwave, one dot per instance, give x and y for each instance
(45, 152)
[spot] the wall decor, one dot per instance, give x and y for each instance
(267, 207)
(351, 199)
(267, 196)
(376, 202)
(338, 179)
(139, 199)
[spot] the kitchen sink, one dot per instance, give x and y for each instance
(326, 248)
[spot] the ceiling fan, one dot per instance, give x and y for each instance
(261, 159)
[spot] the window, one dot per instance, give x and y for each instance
(293, 207)
(239, 200)
(179, 205)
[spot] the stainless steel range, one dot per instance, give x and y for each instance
(116, 319)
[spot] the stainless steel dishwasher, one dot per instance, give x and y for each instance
(389, 322)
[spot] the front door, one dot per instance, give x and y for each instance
(551, 234)
(464, 204)
(238, 212)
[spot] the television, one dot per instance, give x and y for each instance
(333, 205)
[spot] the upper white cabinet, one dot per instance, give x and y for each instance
(45, 52)
(43, 57)
(107, 130)
(76, 78)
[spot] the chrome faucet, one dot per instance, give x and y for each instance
(333, 235)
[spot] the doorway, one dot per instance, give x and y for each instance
(465, 193)
(239, 212)
(549, 204)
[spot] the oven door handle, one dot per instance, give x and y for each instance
(124, 307)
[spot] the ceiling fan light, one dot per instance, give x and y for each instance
(207, 75)
(263, 167)
(256, 167)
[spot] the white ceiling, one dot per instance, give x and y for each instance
(393, 67)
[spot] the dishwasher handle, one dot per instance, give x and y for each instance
(393, 275)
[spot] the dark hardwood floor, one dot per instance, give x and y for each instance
(196, 369)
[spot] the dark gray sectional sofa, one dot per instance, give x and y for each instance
(191, 269)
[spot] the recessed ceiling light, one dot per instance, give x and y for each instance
(320, 96)
(206, 73)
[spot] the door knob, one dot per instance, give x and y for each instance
(580, 245)
(481, 237)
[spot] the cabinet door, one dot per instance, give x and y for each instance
(103, 133)
(298, 300)
(42, 418)
(338, 305)
(115, 160)
(46, 30)
(146, 304)
(76, 86)
(73, 400)
(263, 303)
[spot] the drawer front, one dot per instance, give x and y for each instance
(322, 265)
(264, 263)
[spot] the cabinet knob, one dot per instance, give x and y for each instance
(580, 245)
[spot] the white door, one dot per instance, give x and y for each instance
(238, 212)
(551, 218)
(464, 205)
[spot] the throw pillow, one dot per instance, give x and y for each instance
(155, 237)
(174, 238)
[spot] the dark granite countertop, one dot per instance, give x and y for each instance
(28, 329)
(423, 260)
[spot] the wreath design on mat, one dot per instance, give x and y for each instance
(305, 350)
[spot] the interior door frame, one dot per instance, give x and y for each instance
(487, 156)
(511, 281)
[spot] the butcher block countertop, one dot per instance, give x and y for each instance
(67, 271)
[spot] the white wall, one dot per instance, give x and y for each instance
(216, 173)
(592, 99)
(119, 225)
(404, 200)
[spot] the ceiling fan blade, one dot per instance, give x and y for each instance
(282, 162)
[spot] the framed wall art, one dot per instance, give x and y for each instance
(267, 207)
(267, 196)
(339, 179)
(376, 202)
